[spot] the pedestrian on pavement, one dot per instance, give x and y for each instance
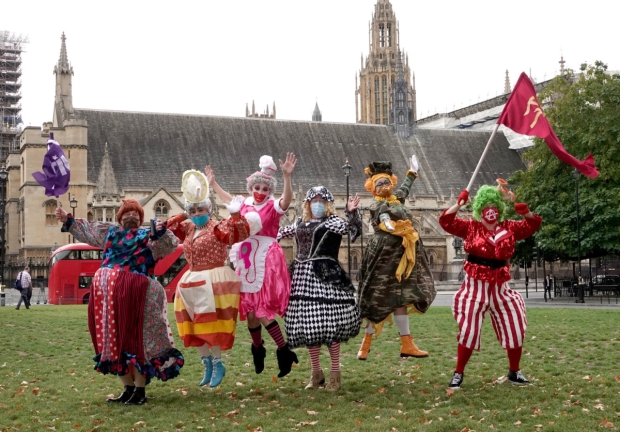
(25, 288)
(548, 283)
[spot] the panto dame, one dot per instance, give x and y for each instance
(490, 243)
(395, 276)
(322, 308)
(260, 261)
(127, 311)
(207, 296)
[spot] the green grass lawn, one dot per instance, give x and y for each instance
(47, 381)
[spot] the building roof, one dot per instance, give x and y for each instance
(150, 150)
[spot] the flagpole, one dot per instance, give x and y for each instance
(484, 153)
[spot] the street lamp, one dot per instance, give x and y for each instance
(346, 168)
(73, 204)
(580, 299)
(4, 175)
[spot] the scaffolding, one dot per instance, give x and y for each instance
(10, 91)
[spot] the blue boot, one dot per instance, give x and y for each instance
(208, 363)
(218, 372)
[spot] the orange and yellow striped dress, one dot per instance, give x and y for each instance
(206, 302)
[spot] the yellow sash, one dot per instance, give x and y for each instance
(404, 229)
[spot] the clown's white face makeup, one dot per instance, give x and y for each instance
(260, 192)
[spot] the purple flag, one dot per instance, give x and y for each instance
(55, 176)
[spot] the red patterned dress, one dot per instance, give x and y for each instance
(127, 311)
(206, 302)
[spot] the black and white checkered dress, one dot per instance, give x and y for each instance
(322, 308)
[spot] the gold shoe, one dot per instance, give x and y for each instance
(318, 379)
(362, 354)
(409, 349)
(334, 381)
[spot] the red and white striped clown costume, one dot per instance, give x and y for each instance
(485, 289)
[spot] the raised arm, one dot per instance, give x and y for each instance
(287, 168)
(524, 228)
(92, 233)
(221, 193)
(448, 220)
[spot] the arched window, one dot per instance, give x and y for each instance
(161, 209)
(431, 260)
(355, 263)
(90, 217)
(50, 212)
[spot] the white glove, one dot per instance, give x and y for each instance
(235, 204)
(414, 164)
(385, 218)
(254, 221)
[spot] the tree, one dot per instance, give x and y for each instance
(584, 111)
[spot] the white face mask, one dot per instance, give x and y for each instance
(318, 209)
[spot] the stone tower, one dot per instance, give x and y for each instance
(374, 93)
(28, 206)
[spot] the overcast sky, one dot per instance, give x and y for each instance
(211, 57)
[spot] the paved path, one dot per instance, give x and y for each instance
(536, 299)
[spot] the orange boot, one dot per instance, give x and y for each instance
(362, 354)
(408, 348)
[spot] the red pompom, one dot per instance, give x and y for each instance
(522, 208)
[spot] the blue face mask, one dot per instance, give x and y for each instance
(200, 220)
(318, 209)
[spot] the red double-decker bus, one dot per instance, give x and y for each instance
(73, 266)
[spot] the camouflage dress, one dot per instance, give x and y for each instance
(379, 290)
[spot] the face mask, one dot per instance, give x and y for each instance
(318, 209)
(490, 215)
(200, 220)
(259, 197)
(130, 222)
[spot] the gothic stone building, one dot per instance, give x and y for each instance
(116, 154)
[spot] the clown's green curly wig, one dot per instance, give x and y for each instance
(488, 195)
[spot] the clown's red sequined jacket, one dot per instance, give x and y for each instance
(498, 245)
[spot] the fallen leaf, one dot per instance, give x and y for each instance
(231, 414)
(466, 429)
(20, 391)
(450, 392)
(239, 384)
(140, 423)
(606, 424)
(274, 379)
(382, 390)
(599, 406)
(184, 392)
(517, 423)
(455, 412)
(35, 391)
(312, 412)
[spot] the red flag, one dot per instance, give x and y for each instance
(523, 114)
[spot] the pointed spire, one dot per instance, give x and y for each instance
(63, 65)
(562, 64)
(316, 115)
(401, 76)
(106, 185)
(247, 110)
(507, 83)
(253, 109)
(267, 111)
(274, 109)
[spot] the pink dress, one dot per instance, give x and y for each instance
(261, 265)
